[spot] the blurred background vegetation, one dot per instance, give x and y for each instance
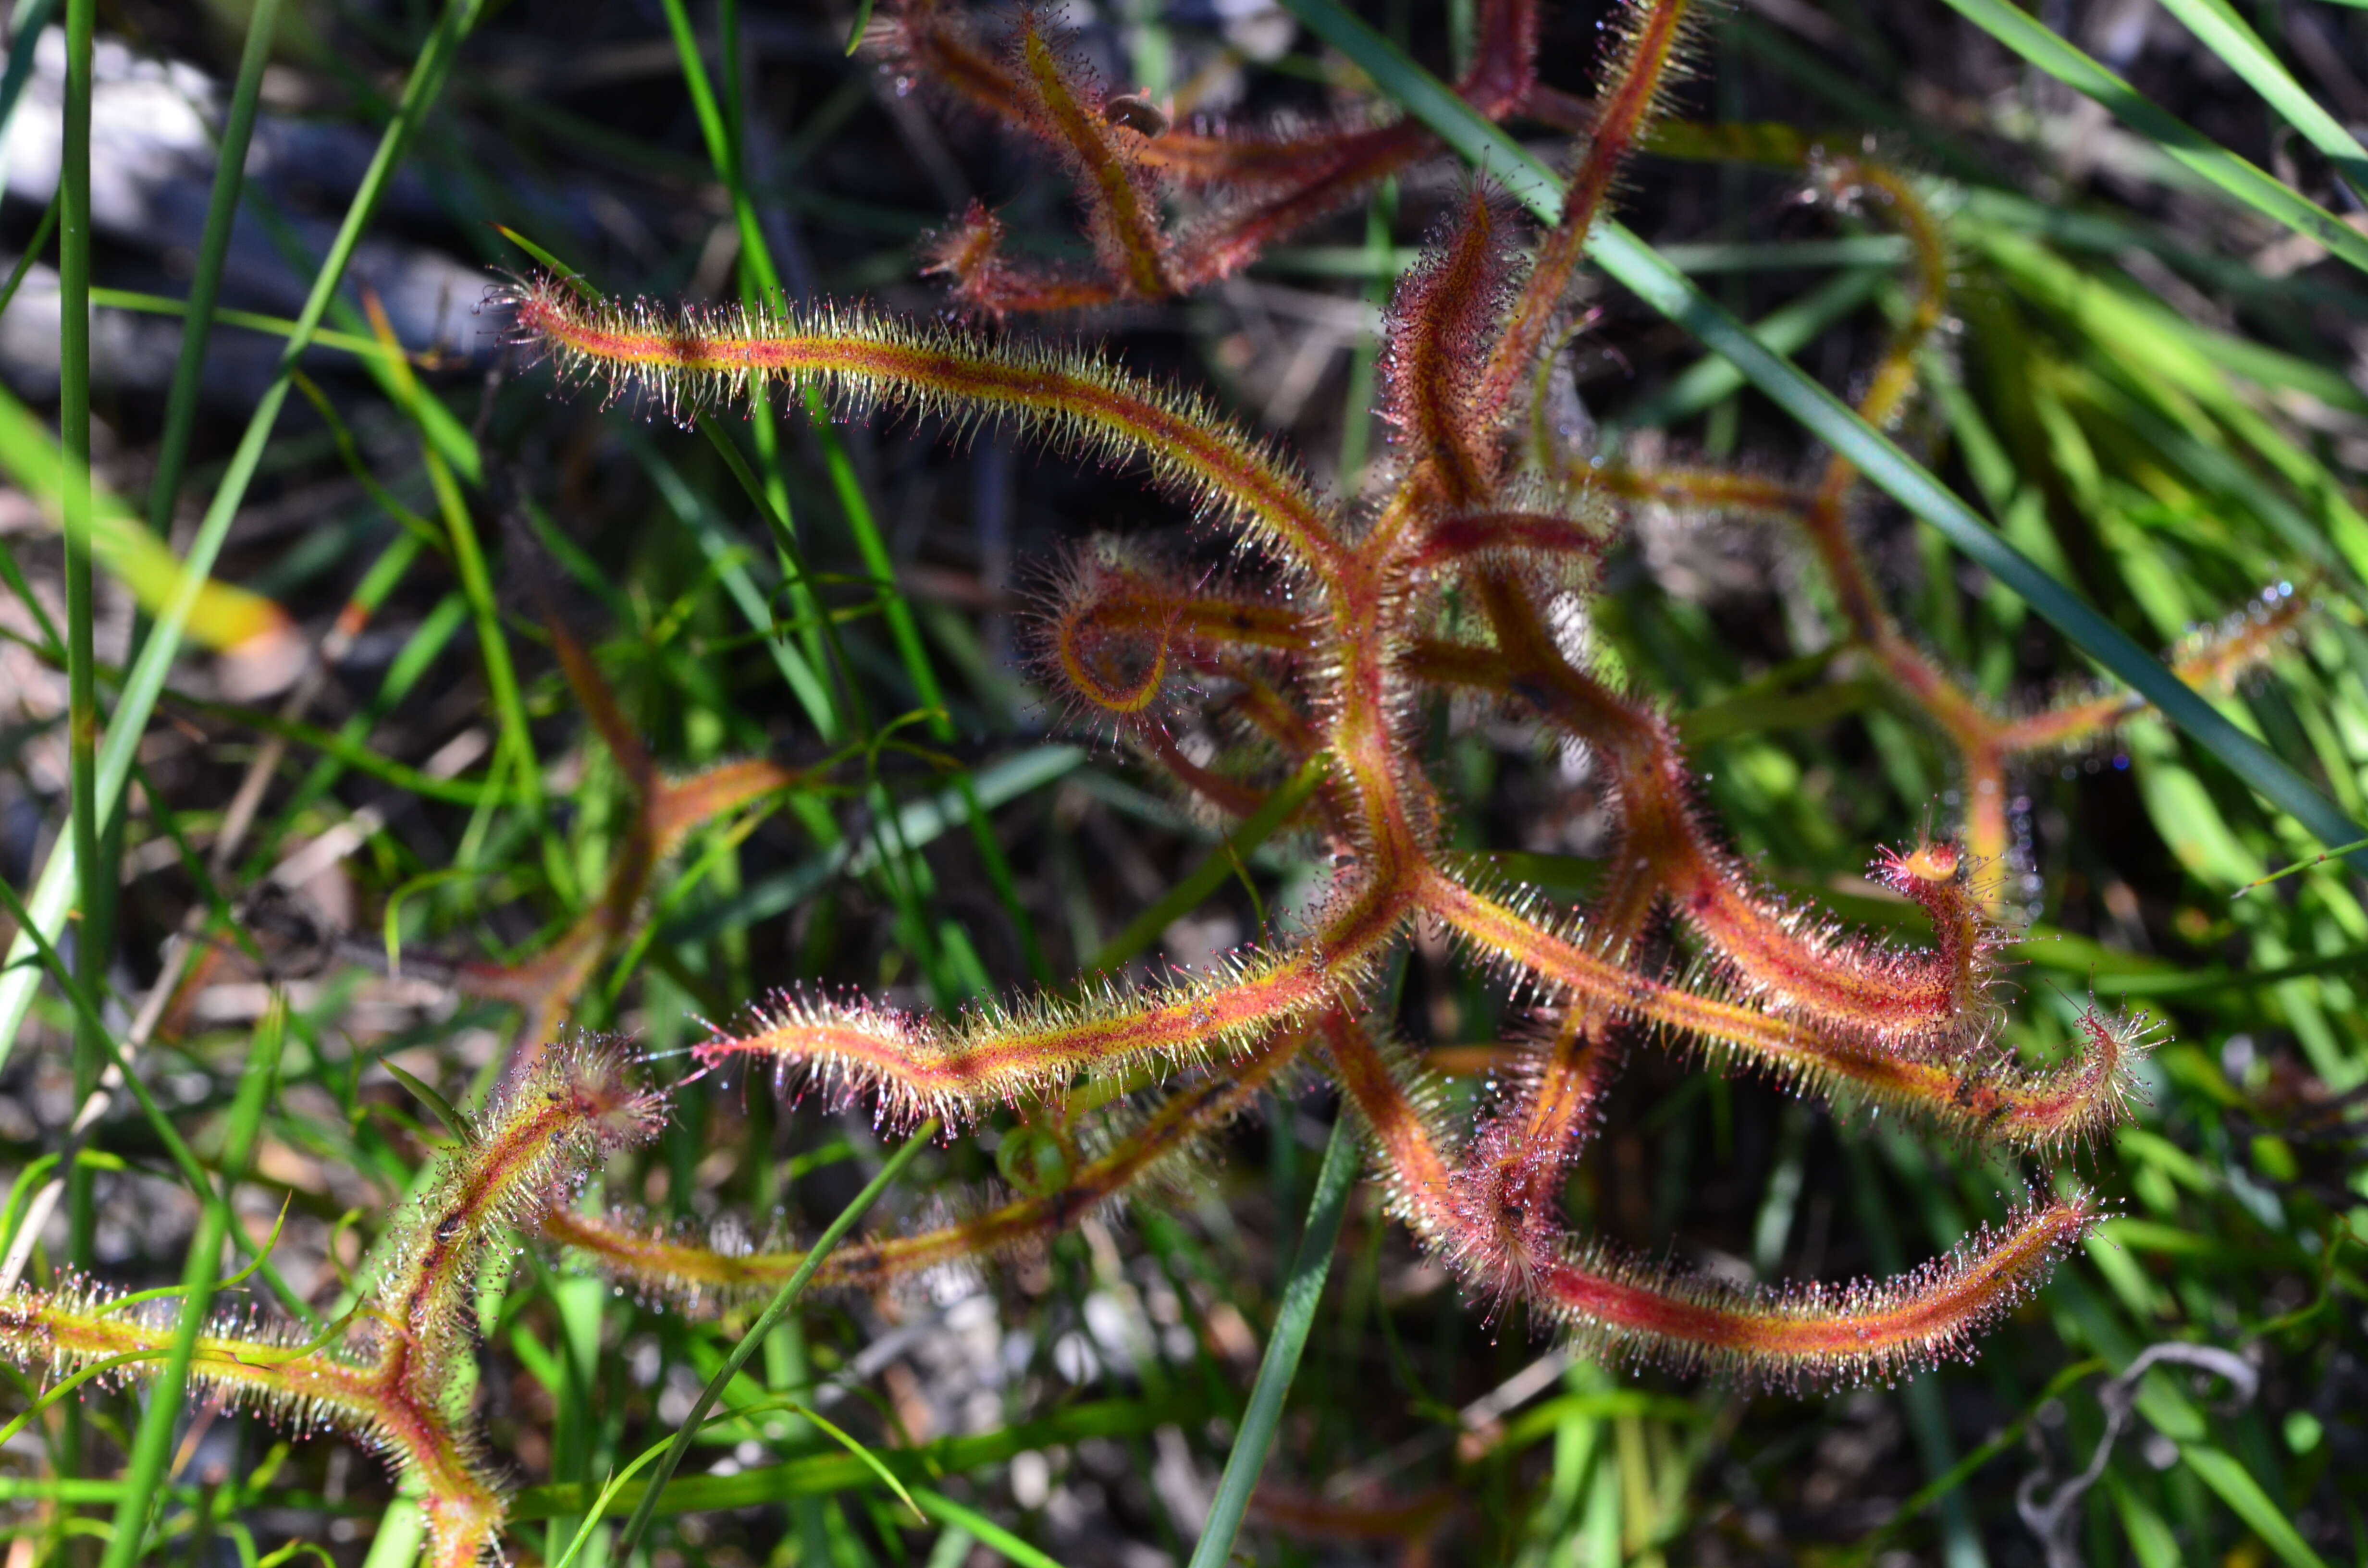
(2153, 390)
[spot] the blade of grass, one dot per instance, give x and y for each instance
(1254, 1436)
(691, 510)
(1786, 329)
(53, 646)
(411, 663)
(33, 248)
(917, 823)
(2157, 357)
(855, 28)
(427, 1095)
(1640, 269)
(721, 124)
(2298, 866)
(53, 893)
(86, 1014)
(2106, 233)
(775, 1310)
(175, 1148)
(819, 1474)
(94, 882)
(271, 326)
(617, 1482)
(902, 878)
(2240, 180)
(1950, 1482)
(205, 283)
(221, 616)
(783, 529)
(477, 582)
(1221, 863)
(402, 1531)
(762, 277)
(152, 1444)
(350, 747)
(52, 1393)
(946, 1511)
(2225, 1475)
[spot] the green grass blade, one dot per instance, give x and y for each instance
(2298, 866)
(863, 1456)
(775, 1310)
(2220, 1471)
(470, 563)
(1225, 861)
(2241, 48)
(402, 1531)
(2240, 180)
(616, 1484)
(86, 1017)
(95, 881)
(367, 349)
(427, 1095)
(53, 893)
(1635, 265)
(720, 124)
(946, 1511)
(722, 134)
(916, 825)
(820, 1474)
(205, 285)
(1300, 1293)
(1786, 329)
(720, 549)
(33, 248)
(832, 726)
(152, 1444)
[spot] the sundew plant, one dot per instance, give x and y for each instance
(1054, 892)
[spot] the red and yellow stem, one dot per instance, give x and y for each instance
(1701, 490)
(1877, 991)
(920, 1067)
(1800, 1335)
(1643, 64)
(1981, 1100)
(1121, 201)
(534, 1143)
(697, 1275)
(1443, 312)
(370, 1401)
(688, 359)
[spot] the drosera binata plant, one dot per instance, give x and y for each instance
(1464, 568)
